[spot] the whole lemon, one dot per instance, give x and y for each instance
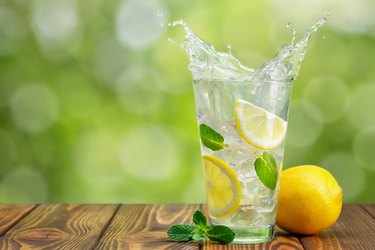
(310, 200)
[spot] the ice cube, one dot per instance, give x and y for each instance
(229, 155)
(246, 216)
(245, 169)
(230, 134)
(265, 200)
(234, 154)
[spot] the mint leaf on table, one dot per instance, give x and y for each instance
(185, 233)
(181, 232)
(265, 167)
(211, 138)
(199, 218)
(221, 234)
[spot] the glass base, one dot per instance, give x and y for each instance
(253, 235)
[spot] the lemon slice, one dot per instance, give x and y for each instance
(223, 188)
(257, 126)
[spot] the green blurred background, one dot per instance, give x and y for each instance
(97, 106)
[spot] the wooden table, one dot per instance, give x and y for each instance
(145, 226)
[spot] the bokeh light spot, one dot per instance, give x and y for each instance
(97, 162)
(55, 21)
(139, 91)
(347, 172)
(110, 59)
(24, 185)
(364, 148)
(34, 108)
(362, 104)
(330, 95)
(353, 17)
(149, 153)
(247, 27)
(138, 22)
(304, 125)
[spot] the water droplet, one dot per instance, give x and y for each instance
(161, 18)
(292, 30)
(229, 47)
(140, 31)
(326, 13)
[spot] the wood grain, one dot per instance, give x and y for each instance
(370, 209)
(353, 230)
(11, 214)
(59, 226)
(145, 227)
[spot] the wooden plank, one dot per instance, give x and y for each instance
(59, 227)
(145, 227)
(11, 214)
(370, 208)
(353, 230)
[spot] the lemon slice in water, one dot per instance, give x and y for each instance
(257, 126)
(223, 188)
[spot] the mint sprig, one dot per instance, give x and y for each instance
(211, 138)
(265, 167)
(185, 233)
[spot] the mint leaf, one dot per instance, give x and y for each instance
(210, 138)
(199, 218)
(265, 167)
(221, 234)
(181, 232)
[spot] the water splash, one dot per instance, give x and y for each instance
(208, 64)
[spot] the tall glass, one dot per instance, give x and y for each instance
(242, 172)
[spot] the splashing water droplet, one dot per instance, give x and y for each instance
(160, 16)
(229, 47)
(292, 30)
(327, 14)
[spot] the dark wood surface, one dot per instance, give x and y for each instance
(144, 227)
